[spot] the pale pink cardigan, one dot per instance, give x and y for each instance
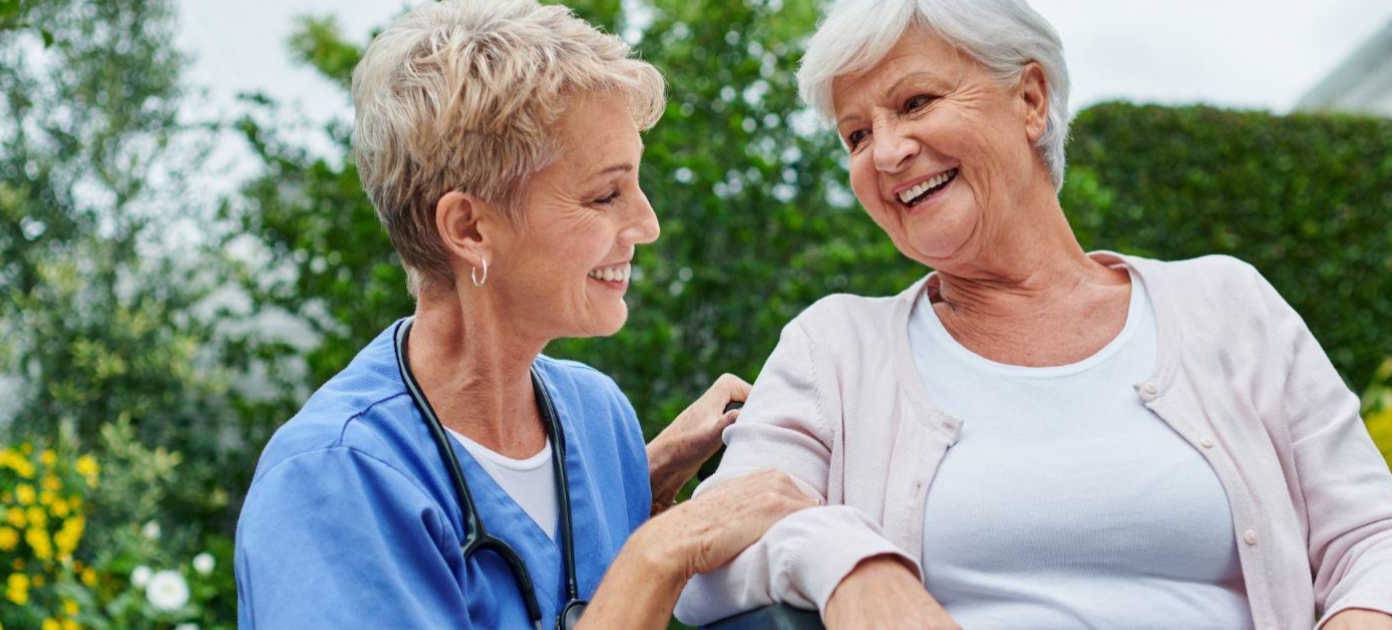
(840, 406)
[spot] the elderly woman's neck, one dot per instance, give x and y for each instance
(1036, 263)
(476, 372)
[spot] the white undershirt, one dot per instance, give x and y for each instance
(529, 482)
(1066, 503)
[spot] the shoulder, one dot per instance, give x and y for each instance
(852, 320)
(361, 409)
(1211, 275)
(1215, 288)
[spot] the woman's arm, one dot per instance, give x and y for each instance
(805, 557)
(1345, 482)
(693, 437)
(642, 585)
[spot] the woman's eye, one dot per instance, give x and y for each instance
(856, 137)
(917, 102)
(607, 199)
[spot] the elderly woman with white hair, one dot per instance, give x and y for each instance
(1032, 435)
(452, 476)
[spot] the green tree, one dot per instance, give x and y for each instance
(99, 313)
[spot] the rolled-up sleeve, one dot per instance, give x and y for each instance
(802, 559)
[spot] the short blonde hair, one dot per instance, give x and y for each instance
(462, 95)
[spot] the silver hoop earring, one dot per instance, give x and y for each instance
(473, 274)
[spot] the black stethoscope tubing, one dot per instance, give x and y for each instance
(476, 537)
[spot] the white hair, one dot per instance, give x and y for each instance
(1002, 35)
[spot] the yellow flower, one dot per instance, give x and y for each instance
(59, 509)
(52, 483)
(48, 457)
(25, 494)
(15, 516)
(66, 541)
(88, 466)
(39, 580)
(39, 542)
(70, 607)
(37, 518)
(25, 469)
(68, 624)
(89, 576)
(8, 539)
(52, 624)
(20, 598)
(18, 582)
(26, 448)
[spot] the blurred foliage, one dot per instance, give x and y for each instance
(1306, 199)
(14, 16)
(104, 319)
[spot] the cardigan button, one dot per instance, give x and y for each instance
(1205, 442)
(1250, 536)
(1150, 388)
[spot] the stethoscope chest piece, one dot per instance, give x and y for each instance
(569, 618)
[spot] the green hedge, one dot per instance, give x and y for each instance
(1305, 198)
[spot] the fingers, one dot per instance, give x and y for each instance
(734, 387)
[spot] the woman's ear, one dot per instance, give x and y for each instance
(1034, 96)
(459, 220)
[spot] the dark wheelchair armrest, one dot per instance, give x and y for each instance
(776, 617)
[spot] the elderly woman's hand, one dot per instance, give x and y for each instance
(1355, 619)
(705, 533)
(677, 453)
(882, 593)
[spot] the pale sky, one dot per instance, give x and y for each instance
(1236, 53)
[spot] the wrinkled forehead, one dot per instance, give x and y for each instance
(919, 58)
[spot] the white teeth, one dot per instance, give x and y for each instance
(617, 273)
(913, 193)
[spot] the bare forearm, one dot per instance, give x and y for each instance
(639, 590)
(665, 476)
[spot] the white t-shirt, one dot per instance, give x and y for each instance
(1066, 503)
(529, 482)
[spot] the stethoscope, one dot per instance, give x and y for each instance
(476, 538)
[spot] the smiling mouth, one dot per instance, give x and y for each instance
(920, 193)
(617, 274)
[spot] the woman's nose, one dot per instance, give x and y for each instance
(644, 228)
(893, 151)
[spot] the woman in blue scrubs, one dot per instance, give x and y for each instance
(452, 476)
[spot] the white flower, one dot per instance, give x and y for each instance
(141, 576)
(167, 591)
(203, 563)
(186, 626)
(151, 530)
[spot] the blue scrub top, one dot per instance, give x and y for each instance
(351, 520)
